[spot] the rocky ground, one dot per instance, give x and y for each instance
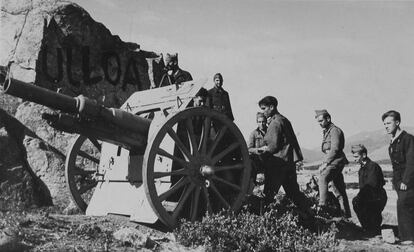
(46, 229)
(43, 230)
(40, 230)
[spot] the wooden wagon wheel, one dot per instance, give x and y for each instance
(211, 171)
(81, 169)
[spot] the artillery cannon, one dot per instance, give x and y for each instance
(153, 158)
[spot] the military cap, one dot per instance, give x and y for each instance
(171, 58)
(321, 112)
(218, 75)
(358, 148)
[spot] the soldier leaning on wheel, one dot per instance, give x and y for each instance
(371, 198)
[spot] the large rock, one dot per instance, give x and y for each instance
(57, 45)
(20, 188)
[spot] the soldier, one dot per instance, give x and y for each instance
(174, 74)
(200, 98)
(256, 140)
(333, 143)
(282, 152)
(219, 98)
(401, 151)
(371, 198)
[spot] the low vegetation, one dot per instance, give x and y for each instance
(281, 228)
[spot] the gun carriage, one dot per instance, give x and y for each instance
(152, 158)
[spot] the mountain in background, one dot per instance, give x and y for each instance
(376, 141)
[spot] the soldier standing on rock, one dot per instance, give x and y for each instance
(371, 198)
(333, 143)
(401, 151)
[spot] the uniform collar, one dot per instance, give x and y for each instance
(274, 116)
(400, 133)
(218, 89)
(325, 131)
(364, 163)
(177, 72)
(260, 131)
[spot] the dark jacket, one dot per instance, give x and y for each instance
(281, 140)
(219, 100)
(370, 175)
(333, 143)
(178, 77)
(401, 152)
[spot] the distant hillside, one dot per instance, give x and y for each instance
(312, 155)
(376, 141)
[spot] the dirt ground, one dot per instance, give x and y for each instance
(350, 237)
(39, 230)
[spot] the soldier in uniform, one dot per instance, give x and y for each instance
(281, 152)
(256, 140)
(371, 198)
(174, 74)
(401, 151)
(219, 98)
(200, 99)
(333, 143)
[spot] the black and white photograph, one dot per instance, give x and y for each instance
(189, 125)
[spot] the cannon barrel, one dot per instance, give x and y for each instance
(76, 105)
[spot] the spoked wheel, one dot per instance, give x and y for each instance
(81, 169)
(196, 163)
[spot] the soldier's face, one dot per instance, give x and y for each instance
(218, 82)
(261, 123)
(172, 65)
(199, 101)
(357, 157)
(391, 125)
(267, 110)
(323, 122)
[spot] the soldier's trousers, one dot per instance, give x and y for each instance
(280, 173)
(334, 173)
(368, 208)
(405, 214)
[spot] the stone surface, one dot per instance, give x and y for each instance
(19, 187)
(57, 45)
(133, 237)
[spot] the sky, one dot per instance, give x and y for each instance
(353, 58)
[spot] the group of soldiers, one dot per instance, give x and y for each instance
(275, 153)
(274, 135)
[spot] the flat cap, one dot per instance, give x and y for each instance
(321, 112)
(358, 148)
(218, 75)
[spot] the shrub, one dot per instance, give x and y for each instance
(278, 229)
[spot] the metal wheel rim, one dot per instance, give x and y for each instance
(203, 157)
(72, 172)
